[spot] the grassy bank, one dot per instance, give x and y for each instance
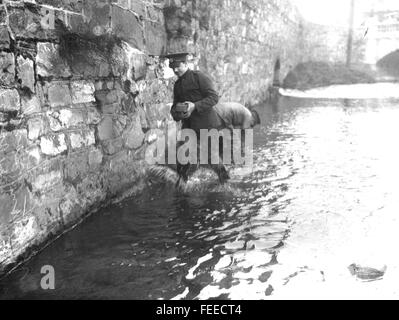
(320, 74)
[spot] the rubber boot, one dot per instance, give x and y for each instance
(223, 175)
(182, 171)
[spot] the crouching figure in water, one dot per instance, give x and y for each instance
(196, 105)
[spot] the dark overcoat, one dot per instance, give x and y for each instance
(196, 87)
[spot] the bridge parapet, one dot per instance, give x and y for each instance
(383, 34)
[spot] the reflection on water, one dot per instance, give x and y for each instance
(322, 195)
(380, 90)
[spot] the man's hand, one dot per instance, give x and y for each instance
(190, 110)
(175, 114)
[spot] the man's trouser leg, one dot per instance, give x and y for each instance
(222, 173)
(219, 168)
(182, 169)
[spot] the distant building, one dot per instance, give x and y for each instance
(382, 29)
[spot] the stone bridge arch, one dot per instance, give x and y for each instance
(390, 63)
(380, 48)
(382, 34)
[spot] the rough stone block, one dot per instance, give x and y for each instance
(3, 119)
(105, 130)
(82, 139)
(127, 27)
(30, 105)
(178, 22)
(71, 207)
(41, 92)
(7, 202)
(26, 73)
(9, 169)
(86, 61)
(134, 135)
(100, 85)
(110, 109)
(25, 230)
(82, 92)
(47, 212)
(119, 61)
(124, 173)
(137, 6)
(36, 128)
(119, 163)
(54, 124)
(49, 62)
(143, 119)
(111, 147)
(153, 92)
(105, 98)
(98, 13)
(120, 123)
(92, 191)
(70, 5)
(156, 114)
(7, 68)
(75, 23)
(24, 205)
(59, 95)
(110, 84)
(9, 100)
(70, 117)
(95, 159)
(30, 158)
(28, 23)
(156, 39)
(11, 179)
(139, 154)
(138, 65)
(46, 181)
(3, 16)
(154, 135)
(76, 167)
(128, 104)
(53, 145)
(93, 116)
(4, 38)
(13, 141)
(128, 62)
(6, 254)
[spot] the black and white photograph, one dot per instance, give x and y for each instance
(212, 151)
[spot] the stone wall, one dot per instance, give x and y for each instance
(71, 138)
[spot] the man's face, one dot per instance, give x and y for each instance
(180, 68)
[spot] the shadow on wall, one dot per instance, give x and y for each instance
(88, 56)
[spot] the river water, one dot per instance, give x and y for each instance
(321, 196)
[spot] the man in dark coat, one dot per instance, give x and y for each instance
(196, 105)
(195, 89)
(194, 100)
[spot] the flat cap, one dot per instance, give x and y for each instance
(176, 58)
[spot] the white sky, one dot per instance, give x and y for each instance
(336, 12)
